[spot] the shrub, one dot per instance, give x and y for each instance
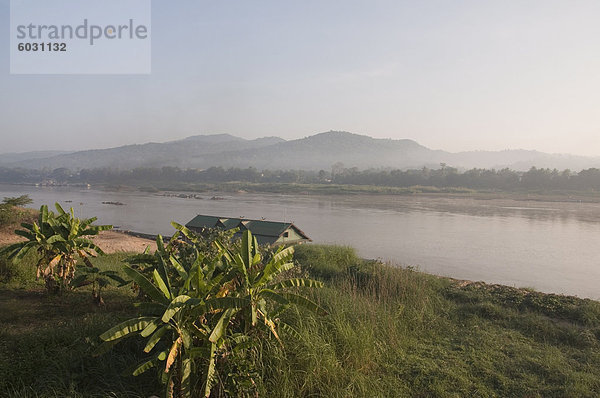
(205, 313)
(58, 239)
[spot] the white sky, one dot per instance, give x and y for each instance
(453, 75)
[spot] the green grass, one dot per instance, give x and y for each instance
(389, 332)
(397, 332)
(46, 341)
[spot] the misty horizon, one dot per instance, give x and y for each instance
(175, 139)
(457, 76)
(319, 151)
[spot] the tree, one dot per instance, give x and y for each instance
(22, 200)
(336, 168)
(58, 239)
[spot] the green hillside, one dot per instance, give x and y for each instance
(389, 332)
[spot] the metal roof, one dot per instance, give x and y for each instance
(263, 230)
(266, 228)
(201, 221)
(230, 223)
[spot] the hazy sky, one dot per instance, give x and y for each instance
(454, 75)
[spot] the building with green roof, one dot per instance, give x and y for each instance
(266, 232)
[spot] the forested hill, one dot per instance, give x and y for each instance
(189, 152)
(316, 152)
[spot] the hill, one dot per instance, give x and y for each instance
(319, 151)
(189, 152)
(8, 158)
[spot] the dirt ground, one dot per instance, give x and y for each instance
(113, 241)
(109, 241)
(7, 238)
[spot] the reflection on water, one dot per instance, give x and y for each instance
(551, 246)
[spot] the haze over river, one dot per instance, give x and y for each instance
(550, 246)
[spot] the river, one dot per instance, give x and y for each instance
(550, 246)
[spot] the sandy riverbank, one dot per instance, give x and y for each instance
(109, 241)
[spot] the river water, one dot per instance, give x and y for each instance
(549, 246)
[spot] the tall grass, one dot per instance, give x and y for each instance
(390, 332)
(46, 346)
(397, 332)
(47, 341)
(18, 273)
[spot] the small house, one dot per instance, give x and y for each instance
(266, 232)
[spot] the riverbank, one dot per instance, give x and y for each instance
(109, 241)
(348, 189)
(211, 191)
(516, 243)
(389, 332)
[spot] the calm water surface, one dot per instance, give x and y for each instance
(553, 247)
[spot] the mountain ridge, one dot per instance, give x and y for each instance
(314, 152)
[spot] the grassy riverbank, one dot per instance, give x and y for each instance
(389, 332)
(215, 189)
(541, 195)
(317, 189)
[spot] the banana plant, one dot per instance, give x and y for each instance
(58, 239)
(185, 322)
(90, 275)
(198, 306)
(262, 286)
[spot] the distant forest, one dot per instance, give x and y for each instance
(480, 179)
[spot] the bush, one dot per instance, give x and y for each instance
(207, 311)
(10, 213)
(20, 201)
(58, 239)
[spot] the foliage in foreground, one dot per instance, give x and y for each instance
(390, 333)
(398, 332)
(11, 210)
(206, 313)
(58, 239)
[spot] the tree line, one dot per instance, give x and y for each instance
(492, 179)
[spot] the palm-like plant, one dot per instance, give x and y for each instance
(258, 282)
(99, 279)
(58, 240)
(204, 307)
